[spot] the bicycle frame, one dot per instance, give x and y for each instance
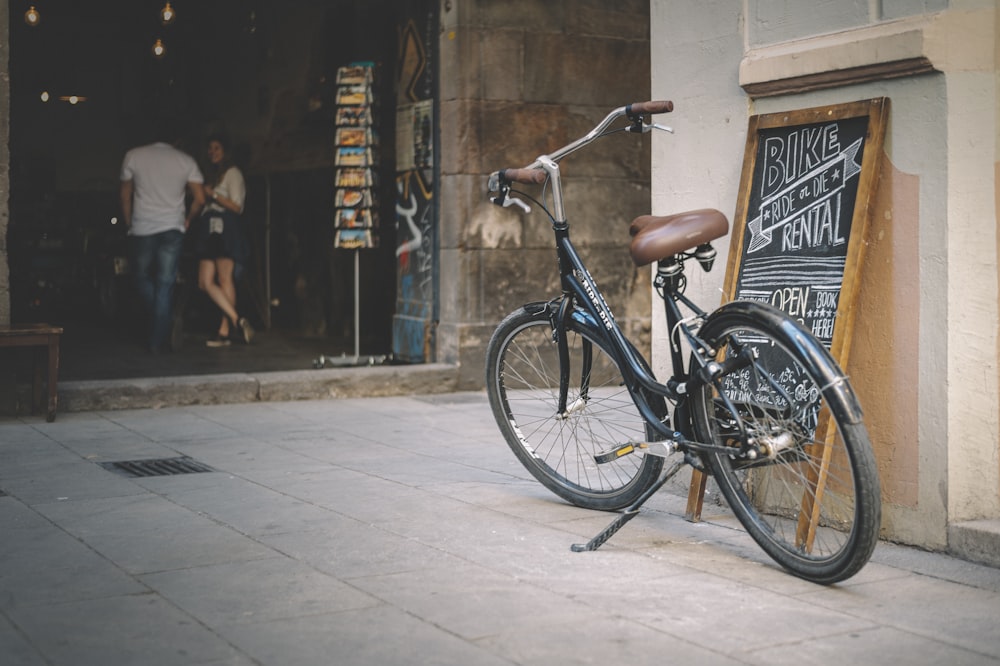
(583, 291)
(580, 289)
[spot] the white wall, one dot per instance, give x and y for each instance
(942, 139)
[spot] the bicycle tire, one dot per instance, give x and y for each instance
(522, 371)
(815, 506)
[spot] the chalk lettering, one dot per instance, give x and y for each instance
(792, 300)
(823, 329)
(787, 158)
(818, 226)
(826, 299)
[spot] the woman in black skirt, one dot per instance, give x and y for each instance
(220, 240)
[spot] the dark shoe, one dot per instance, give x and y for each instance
(246, 329)
(217, 341)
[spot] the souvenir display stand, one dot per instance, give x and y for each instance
(356, 215)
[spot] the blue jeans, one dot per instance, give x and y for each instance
(155, 259)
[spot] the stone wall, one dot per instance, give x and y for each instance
(519, 79)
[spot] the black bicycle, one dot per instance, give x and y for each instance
(761, 405)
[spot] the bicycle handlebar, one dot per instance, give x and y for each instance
(526, 176)
(633, 111)
(538, 171)
(661, 106)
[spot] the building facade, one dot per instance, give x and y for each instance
(924, 351)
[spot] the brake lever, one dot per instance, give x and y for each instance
(503, 198)
(643, 128)
(505, 201)
(514, 201)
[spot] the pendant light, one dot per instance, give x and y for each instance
(32, 17)
(167, 14)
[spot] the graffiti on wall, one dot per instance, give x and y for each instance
(415, 220)
(414, 264)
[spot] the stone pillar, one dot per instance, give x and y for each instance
(519, 79)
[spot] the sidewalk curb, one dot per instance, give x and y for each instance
(157, 392)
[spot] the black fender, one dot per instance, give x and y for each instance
(816, 358)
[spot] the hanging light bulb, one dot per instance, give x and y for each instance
(159, 50)
(32, 17)
(167, 14)
(45, 95)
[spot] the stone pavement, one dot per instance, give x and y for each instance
(401, 530)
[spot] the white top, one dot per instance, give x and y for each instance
(232, 186)
(160, 174)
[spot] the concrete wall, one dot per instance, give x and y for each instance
(924, 351)
(519, 79)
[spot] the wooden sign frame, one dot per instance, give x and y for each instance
(815, 119)
(809, 168)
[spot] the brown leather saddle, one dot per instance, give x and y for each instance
(656, 237)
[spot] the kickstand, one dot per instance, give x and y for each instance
(629, 513)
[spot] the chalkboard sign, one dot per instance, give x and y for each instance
(802, 214)
(800, 230)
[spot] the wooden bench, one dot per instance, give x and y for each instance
(39, 336)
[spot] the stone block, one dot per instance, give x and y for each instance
(976, 540)
(472, 221)
(474, 339)
(618, 279)
(600, 210)
(340, 382)
(357, 382)
(511, 278)
(460, 300)
(513, 134)
(583, 70)
(524, 14)
(471, 341)
(478, 64)
(460, 141)
(500, 71)
(156, 392)
(627, 19)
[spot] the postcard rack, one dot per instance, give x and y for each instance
(356, 213)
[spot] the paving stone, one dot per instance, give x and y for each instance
(402, 530)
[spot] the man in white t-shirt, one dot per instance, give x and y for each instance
(155, 180)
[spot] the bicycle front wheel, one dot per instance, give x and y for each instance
(812, 502)
(522, 380)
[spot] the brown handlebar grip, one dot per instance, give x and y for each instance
(526, 176)
(662, 106)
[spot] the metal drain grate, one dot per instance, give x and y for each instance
(157, 467)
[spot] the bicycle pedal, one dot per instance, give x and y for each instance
(658, 449)
(616, 453)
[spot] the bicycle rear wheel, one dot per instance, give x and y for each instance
(813, 504)
(522, 380)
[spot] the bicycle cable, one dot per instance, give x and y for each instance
(536, 201)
